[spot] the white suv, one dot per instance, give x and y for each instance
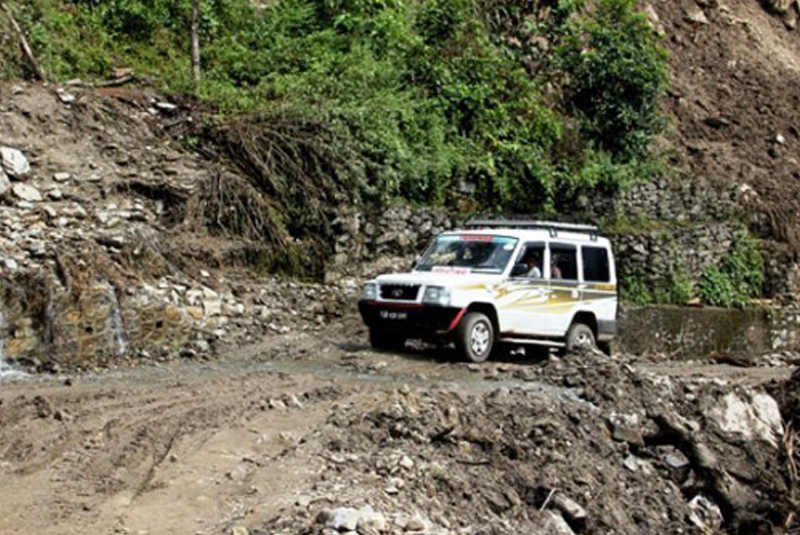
(520, 282)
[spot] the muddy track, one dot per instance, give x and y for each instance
(200, 448)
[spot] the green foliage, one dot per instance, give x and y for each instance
(426, 95)
(616, 75)
(678, 289)
(738, 278)
(636, 291)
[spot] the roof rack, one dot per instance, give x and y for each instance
(551, 226)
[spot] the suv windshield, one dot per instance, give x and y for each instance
(476, 252)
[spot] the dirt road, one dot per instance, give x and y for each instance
(275, 433)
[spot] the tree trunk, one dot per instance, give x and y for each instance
(196, 43)
(26, 49)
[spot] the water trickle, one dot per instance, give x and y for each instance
(117, 329)
(6, 370)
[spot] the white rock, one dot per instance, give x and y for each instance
(569, 508)
(166, 106)
(5, 184)
(406, 462)
(194, 296)
(55, 194)
(554, 524)
(14, 162)
(345, 519)
(294, 402)
(705, 514)
(212, 307)
(26, 192)
(696, 15)
(370, 521)
(61, 177)
(759, 417)
(64, 97)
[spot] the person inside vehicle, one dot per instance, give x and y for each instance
(534, 271)
(555, 271)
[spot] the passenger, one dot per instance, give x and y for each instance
(555, 271)
(534, 272)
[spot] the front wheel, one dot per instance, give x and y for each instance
(475, 337)
(579, 337)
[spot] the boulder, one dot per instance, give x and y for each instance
(25, 192)
(753, 417)
(14, 162)
(344, 519)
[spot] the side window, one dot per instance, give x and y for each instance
(563, 262)
(595, 264)
(532, 258)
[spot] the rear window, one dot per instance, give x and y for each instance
(563, 262)
(595, 264)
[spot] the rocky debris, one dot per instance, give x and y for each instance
(5, 184)
(536, 462)
(705, 514)
(554, 524)
(14, 162)
(758, 417)
(348, 519)
(26, 192)
(43, 407)
(696, 15)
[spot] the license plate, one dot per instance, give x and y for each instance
(390, 315)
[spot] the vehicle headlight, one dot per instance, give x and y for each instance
(370, 291)
(436, 295)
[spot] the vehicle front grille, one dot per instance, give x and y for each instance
(400, 292)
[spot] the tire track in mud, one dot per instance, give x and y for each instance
(113, 441)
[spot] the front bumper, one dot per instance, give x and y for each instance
(412, 320)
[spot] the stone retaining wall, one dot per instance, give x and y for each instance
(696, 333)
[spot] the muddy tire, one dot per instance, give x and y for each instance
(379, 339)
(580, 336)
(475, 337)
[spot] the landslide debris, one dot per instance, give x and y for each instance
(603, 449)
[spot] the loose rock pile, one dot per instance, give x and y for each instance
(100, 261)
(613, 450)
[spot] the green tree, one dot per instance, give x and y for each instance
(616, 74)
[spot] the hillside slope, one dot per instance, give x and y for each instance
(734, 97)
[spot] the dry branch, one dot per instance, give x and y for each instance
(196, 43)
(26, 49)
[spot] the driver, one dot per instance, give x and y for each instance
(534, 271)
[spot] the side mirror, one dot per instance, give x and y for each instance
(519, 270)
(414, 263)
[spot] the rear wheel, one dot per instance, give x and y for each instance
(475, 337)
(380, 339)
(580, 336)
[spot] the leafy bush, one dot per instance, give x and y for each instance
(616, 75)
(636, 291)
(738, 278)
(427, 94)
